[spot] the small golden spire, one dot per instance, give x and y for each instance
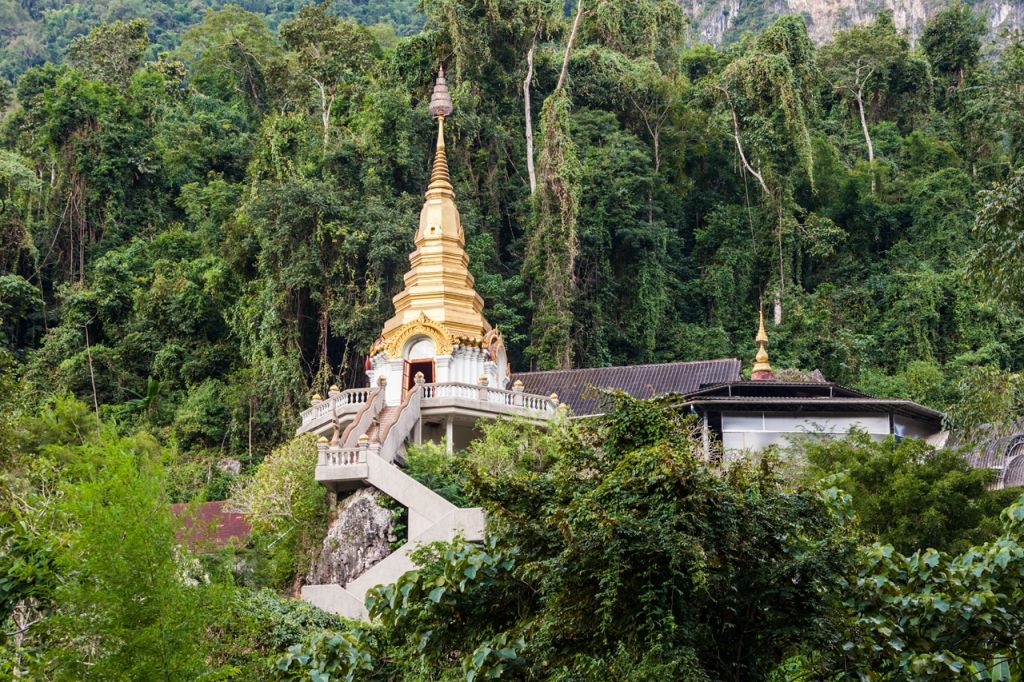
(762, 368)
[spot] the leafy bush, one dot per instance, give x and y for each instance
(431, 465)
(286, 508)
(105, 582)
(910, 495)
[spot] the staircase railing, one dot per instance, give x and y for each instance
(363, 418)
(395, 434)
(338, 456)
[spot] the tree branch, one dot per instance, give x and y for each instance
(739, 143)
(568, 46)
(529, 121)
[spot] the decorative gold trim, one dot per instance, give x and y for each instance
(420, 326)
(493, 342)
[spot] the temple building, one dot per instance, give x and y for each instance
(438, 368)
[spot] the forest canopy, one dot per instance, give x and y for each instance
(205, 211)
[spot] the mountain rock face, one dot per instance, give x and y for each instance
(360, 536)
(722, 21)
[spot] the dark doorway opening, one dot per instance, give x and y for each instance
(412, 367)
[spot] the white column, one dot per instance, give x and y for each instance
(705, 437)
(449, 434)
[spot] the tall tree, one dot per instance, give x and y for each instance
(952, 41)
(232, 53)
(111, 52)
(858, 63)
(553, 243)
(330, 52)
(768, 97)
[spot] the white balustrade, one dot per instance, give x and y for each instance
(335, 455)
(344, 399)
(488, 394)
(345, 456)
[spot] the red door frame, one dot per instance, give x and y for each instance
(407, 378)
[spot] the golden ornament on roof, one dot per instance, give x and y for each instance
(762, 367)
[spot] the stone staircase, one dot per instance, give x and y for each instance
(382, 424)
(431, 517)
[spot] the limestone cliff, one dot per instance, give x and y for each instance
(360, 536)
(718, 21)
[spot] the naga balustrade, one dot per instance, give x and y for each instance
(403, 425)
(364, 416)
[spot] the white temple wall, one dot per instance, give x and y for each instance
(465, 365)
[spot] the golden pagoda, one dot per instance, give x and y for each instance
(439, 299)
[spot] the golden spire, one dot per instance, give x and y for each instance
(762, 368)
(439, 299)
(440, 106)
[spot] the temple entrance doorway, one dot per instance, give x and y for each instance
(412, 367)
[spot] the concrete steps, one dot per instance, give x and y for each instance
(431, 519)
(387, 417)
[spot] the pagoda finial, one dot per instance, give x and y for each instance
(762, 368)
(440, 100)
(440, 106)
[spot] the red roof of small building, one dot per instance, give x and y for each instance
(210, 525)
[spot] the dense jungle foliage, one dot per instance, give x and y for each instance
(36, 31)
(203, 219)
(614, 552)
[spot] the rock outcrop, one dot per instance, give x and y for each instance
(718, 21)
(360, 536)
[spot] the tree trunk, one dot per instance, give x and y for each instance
(326, 102)
(867, 140)
(529, 121)
(739, 146)
(568, 45)
(92, 375)
(327, 123)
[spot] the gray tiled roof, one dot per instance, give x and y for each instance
(580, 388)
(1014, 476)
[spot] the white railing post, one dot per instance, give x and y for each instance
(483, 395)
(321, 451)
(364, 445)
(517, 393)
